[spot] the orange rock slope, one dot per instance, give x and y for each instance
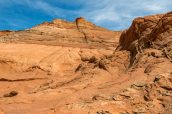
(59, 32)
(77, 67)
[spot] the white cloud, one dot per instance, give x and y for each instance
(118, 12)
(114, 14)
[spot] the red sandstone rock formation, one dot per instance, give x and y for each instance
(58, 32)
(72, 68)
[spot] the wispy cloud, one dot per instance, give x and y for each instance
(112, 14)
(119, 14)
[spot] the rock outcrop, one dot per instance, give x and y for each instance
(141, 28)
(59, 32)
(148, 32)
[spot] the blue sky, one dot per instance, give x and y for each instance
(111, 14)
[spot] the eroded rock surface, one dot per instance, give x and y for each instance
(64, 67)
(80, 33)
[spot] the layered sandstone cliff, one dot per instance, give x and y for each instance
(80, 32)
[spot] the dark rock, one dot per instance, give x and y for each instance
(103, 112)
(102, 65)
(147, 97)
(157, 78)
(11, 94)
(78, 68)
(93, 59)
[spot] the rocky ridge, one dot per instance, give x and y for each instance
(59, 32)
